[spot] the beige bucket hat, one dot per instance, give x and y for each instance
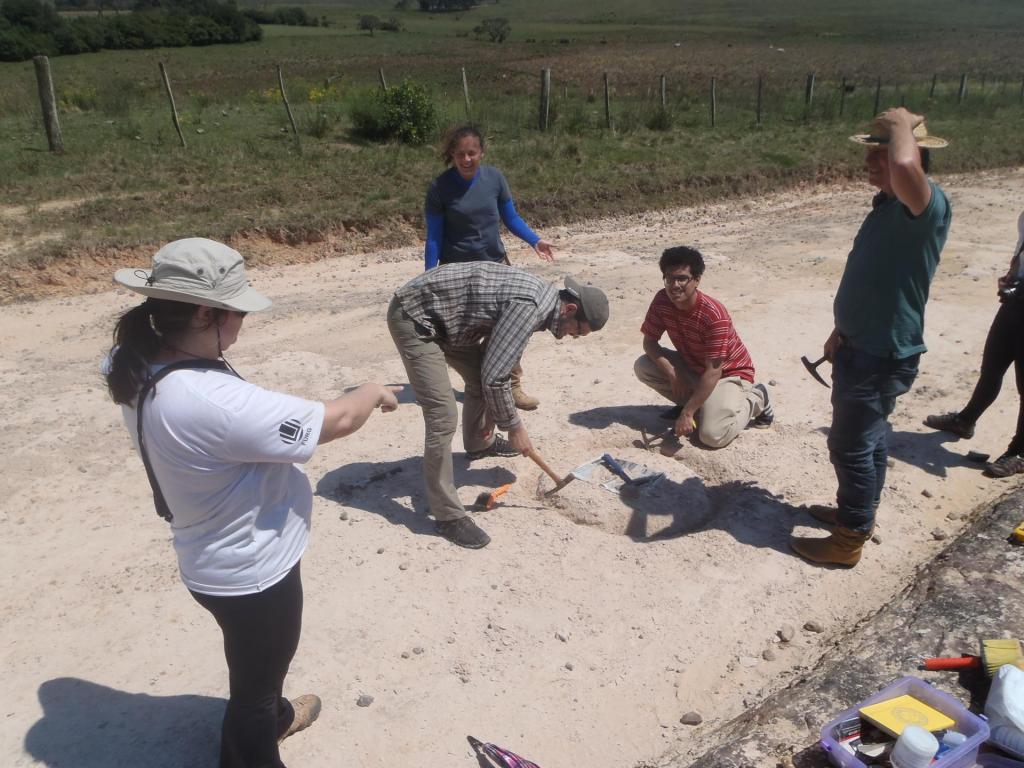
(879, 136)
(197, 271)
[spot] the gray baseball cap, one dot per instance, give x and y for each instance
(592, 300)
(197, 271)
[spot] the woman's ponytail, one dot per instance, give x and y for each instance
(139, 337)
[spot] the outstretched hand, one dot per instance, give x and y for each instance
(389, 397)
(544, 250)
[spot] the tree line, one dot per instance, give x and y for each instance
(32, 27)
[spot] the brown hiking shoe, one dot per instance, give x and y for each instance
(952, 423)
(524, 402)
(843, 547)
(826, 513)
(307, 710)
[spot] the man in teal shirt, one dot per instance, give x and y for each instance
(879, 326)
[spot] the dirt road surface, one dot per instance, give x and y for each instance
(591, 623)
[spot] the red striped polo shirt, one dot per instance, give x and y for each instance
(704, 333)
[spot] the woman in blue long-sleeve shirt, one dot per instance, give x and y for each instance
(464, 209)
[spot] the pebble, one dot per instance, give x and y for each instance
(405, 654)
(926, 493)
(786, 633)
(360, 561)
(418, 650)
(403, 566)
(814, 626)
(691, 718)
(569, 666)
(380, 550)
(564, 637)
(890, 463)
(953, 516)
(772, 383)
(748, 661)
(769, 655)
(343, 515)
(938, 534)
(365, 700)
(876, 538)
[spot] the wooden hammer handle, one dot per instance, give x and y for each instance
(543, 465)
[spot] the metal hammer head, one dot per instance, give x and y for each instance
(812, 368)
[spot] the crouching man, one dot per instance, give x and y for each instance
(477, 317)
(709, 375)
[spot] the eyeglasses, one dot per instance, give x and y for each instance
(682, 280)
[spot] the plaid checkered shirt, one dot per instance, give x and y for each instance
(459, 305)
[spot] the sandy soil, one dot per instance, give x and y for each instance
(592, 622)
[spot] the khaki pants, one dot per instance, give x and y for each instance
(726, 413)
(426, 365)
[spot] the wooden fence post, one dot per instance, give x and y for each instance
(545, 98)
(170, 98)
(664, 92)
(714, 103)
(842, 96)
(931, 91)
(48, 102)
(288, 108)
(383, 81)
(963, 89)
(760, 99)
(607, 103)
(809, 91)
(878, 97)
(1022, 90)
(465, 91)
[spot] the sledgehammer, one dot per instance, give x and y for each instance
(812, 368)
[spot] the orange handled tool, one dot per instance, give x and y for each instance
(951, 663)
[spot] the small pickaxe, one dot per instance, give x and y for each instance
(812, 368)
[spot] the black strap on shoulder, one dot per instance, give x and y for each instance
(203, 364)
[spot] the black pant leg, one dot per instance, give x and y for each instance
(261, 633)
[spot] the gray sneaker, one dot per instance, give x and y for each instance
(464, 532)
(500, 447)
(767, 417)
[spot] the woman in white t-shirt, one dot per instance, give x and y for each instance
(222, 456)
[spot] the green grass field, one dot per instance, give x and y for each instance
(242, 172)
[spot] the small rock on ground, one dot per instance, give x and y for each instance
(769, 655)
(786, 633)
(938, 534)
(814, 626)
(365, 700)
(691, 718)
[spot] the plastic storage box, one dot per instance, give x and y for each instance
(970, 725)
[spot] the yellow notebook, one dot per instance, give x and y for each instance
(893, 715)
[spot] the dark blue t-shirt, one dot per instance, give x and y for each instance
(471, 214)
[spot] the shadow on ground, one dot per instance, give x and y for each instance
(376, 487)
(88, 725)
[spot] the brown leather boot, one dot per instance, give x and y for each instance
(307, 710)
(843, 547)
(524, 402)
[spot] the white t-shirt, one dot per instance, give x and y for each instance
(1020, 242)
(222, 450)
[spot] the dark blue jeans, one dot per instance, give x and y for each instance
(864, 392)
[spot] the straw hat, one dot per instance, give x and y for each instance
(879, 136)
(196, 271)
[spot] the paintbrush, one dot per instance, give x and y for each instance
(488, 500)
(994, 654)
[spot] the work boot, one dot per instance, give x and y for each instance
(524, 402)
(306, 710)
(843, 547)
(826, 513)
(464, 532)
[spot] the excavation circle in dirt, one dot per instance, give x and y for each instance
(673, 505)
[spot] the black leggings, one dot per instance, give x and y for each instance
(261, 633)
(1004, 345)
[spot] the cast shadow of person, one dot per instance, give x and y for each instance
(89, 725)
(633, 416)
(375, 487)
(924, 450)
(749, 513)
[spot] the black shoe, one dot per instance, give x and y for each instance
(671, 414)
(767, 417)
(1006, 465)
(464, 532)
(500, 447)
(951, 422)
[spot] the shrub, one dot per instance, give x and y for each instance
(404, 112)
(496, 29)
(661, 119)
